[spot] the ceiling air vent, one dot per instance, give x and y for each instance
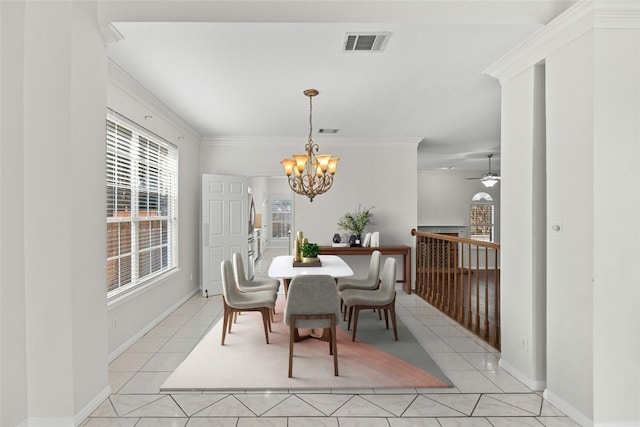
(366, 42)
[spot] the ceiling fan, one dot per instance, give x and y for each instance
(489, 179)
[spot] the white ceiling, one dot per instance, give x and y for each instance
(238, 69)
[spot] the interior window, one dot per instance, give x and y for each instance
(280, 217)
(142, 194)
(481, 217)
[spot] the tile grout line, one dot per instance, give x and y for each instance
(409, 305)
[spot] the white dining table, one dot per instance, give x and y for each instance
(282, 268)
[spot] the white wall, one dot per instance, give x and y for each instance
(521, 278)
(53, 76)
(13, 330)
(378, 174)
(391, 187)
(137, 313)
(616, 233)
(570, 254)
(592, 70)
(444, 198)
(53, 308)
(64, 199)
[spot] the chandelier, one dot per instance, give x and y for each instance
(310, 174)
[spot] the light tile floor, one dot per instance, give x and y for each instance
(484, 395)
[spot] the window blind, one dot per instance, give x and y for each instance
(142, 194)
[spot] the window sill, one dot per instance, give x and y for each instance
(124, 296)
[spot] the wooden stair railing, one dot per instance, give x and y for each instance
(461, 278)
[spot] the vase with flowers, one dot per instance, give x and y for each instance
(355, 223)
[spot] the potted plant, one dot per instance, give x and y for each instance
(355, 223)
(310, 252)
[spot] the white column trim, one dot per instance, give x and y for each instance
(535, 385)
(567, 409)
(575, 21)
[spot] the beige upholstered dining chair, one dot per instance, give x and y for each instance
(253, 285)
(383, 298)
(236, 301)
(244, 285)
(372, 281)
(367, 283)
(312, 302)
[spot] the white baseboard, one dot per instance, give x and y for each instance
(567, 409)
(68, 421)
(131, 341)
(51, 422)
(578, 416)
(535, 385)
(616, 424)
(92, 405)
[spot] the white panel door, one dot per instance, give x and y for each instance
(224, 226)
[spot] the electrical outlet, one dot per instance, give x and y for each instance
(191, 276)
(525, 344)
(114, 324)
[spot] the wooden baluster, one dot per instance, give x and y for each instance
(417, 264)
(477, 273)
(486, 294)
(469, 292)
(496, 326)
(456, 290)
(462, 292)
(440, 280)
(436, 274)
(445, 275)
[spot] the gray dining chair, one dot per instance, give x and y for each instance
(383, 298)
(237, 302)
(313, 302)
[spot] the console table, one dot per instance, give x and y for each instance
(405, 251)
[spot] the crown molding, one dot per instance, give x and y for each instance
(123, 81)
(110, 34)
(618, 15)
(566, 27)
(248, 141)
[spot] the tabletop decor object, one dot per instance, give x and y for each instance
(310, 252)
(297, 247)
(355, 223)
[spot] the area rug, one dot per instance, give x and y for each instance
(374, 360)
